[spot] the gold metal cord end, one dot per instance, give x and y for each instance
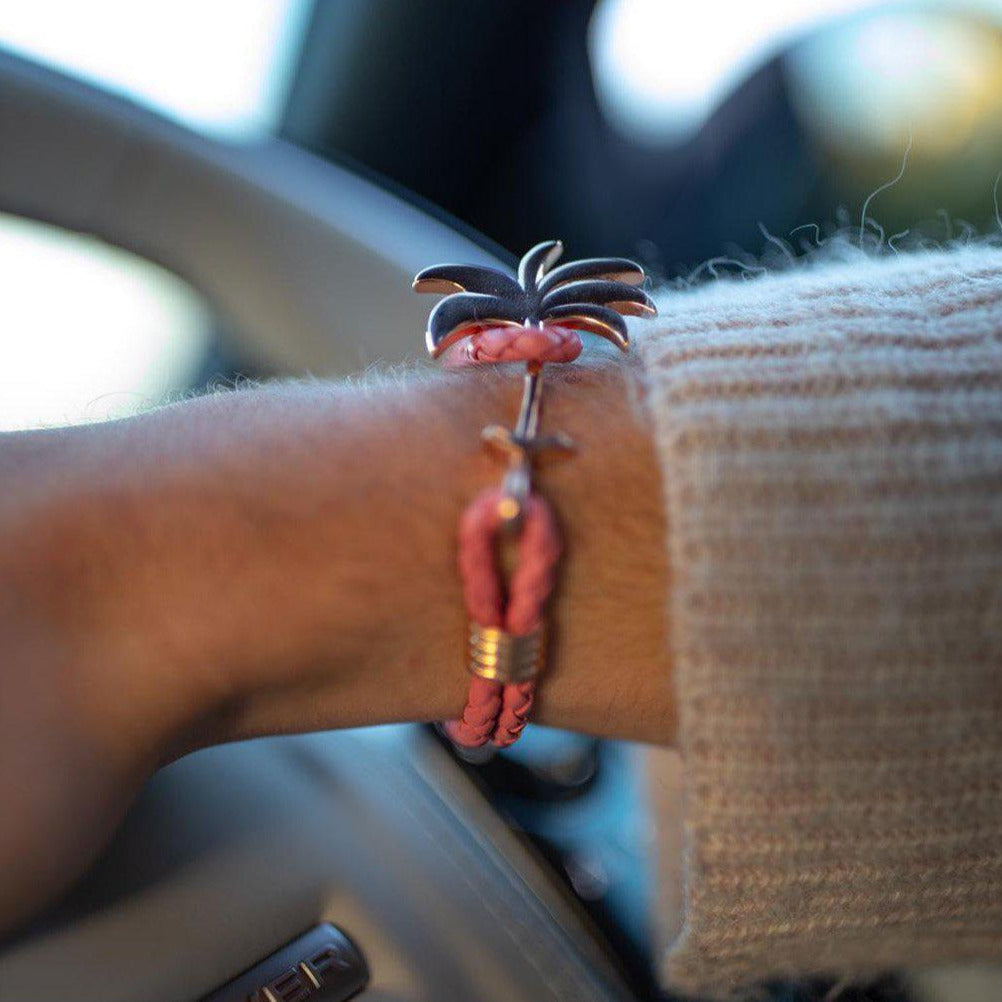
(499, 656)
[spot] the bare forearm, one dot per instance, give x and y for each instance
(283, 559)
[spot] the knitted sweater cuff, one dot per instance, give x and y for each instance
(831, 447)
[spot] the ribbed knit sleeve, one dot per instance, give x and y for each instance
(831, 444)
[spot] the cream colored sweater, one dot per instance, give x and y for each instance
(831, 441)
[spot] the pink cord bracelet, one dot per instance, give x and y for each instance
(509, 541)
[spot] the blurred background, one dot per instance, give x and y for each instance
(704, 139)
(707, 139)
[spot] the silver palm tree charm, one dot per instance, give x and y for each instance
(591, 295)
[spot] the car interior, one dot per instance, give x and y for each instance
(404, 132)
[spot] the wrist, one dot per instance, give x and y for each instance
(339, 601)
(359, 617)
(284, 559)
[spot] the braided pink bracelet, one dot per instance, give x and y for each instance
(509, 542)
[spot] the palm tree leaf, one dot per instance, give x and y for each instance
(450, 278)
(617, 269)
(591, 317)
(463, 313)
(618, 296)
(537, 262)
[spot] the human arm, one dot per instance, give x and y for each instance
(283, 559)
(827, 444)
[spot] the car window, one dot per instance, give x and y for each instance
(90, 332)
(228, 75)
